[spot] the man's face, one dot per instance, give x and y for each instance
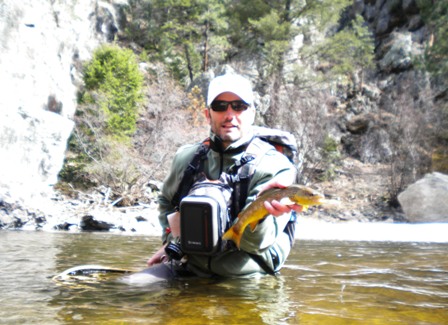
(230, 125)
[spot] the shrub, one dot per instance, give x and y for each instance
(99, 150)
(331, 158)
(113, 73)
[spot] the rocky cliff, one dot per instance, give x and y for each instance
(42, 43)
(396, 88)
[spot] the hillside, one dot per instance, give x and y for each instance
(369, 117)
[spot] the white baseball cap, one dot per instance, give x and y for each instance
(232, 83)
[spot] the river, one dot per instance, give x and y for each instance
(327, 280)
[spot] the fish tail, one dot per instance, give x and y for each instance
(232, 235)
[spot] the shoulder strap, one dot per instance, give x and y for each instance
(193, 168)
(243, 171)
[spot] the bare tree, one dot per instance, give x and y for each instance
(411, 134)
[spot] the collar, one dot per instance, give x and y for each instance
(236, 147)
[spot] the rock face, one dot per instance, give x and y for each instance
(399, 35)
(427, 199)
(43, 42)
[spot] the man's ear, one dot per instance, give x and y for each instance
(207, 114)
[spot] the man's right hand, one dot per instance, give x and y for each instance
(158, 257)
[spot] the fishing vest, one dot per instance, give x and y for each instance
(238, 177)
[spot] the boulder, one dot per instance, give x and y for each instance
(359, 124)
(89, 223)
(427, 199)
(397, 53)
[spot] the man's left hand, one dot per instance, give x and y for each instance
(274, 207)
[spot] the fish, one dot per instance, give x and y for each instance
(88, 269)
(255, 211)
(91, 274)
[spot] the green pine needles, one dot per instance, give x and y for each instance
(100, 151)
(114, 76)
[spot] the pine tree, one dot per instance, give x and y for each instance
(434, 14)
(113, 73)
(350, 51)
(189, 35)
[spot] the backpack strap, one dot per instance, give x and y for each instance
(290, 228)
(262, 263)
(190, 173)
(239, 177)
(242, 172)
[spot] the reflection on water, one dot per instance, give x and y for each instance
(324, 282)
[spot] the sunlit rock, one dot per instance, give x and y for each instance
(427, 199)
(359, 124)
(42, 45)
(397, 53)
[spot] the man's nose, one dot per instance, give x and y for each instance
(229, 110)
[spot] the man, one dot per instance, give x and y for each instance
(230, 112)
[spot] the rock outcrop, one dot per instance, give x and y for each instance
(42, 44)
(400, 35)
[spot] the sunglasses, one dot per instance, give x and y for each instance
(221, 105)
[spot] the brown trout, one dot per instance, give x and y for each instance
(254, 212)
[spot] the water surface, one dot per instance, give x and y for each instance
(324, 282)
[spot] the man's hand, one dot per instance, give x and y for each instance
(274, 207)
(158, 257)
(174, 222)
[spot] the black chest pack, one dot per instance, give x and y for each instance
(209, 207)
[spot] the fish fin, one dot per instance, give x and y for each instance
(253, 225)
(287, 201)
(304, 207)
(232, 235)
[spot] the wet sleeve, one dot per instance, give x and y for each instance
(171, 183)
(264, 235)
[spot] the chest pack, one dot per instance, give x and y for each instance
(204, 216)
(208, 208)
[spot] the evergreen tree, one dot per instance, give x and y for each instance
(270, 30)
(113, 73)
(105, 121)
(434, 13)
(275, 35)
(189, 35)
(435, 61)
(271, 26)
(349, 52)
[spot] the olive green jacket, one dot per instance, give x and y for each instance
(267, 239)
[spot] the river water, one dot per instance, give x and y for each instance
(325, 281)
